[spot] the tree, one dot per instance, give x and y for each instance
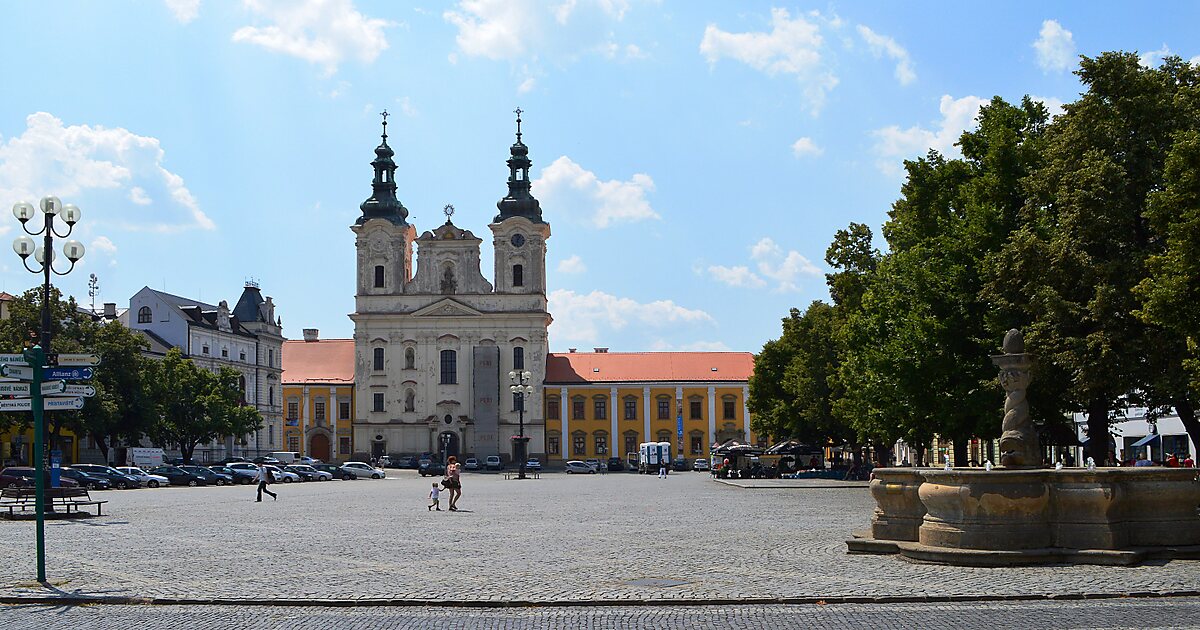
(196, 405)
(124, 407)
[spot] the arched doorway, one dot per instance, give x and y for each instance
(318, 447)
(448, 444)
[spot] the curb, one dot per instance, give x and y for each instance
(581, 603)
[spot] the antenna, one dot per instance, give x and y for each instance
(93, 289)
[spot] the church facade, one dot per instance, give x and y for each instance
(434, 339)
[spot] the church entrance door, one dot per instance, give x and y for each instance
(318, 447)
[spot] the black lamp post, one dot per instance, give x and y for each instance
(521, 387)
(36, 356)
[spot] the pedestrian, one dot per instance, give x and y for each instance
(662, 469)
(263, 478)
(1173, 461)
(1188, 462)
(453, 482)
(434, 498)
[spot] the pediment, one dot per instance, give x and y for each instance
(447, 308)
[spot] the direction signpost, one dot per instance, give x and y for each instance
(67, 373)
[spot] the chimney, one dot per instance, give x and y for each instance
(110, 310)
(571, 350)
(601, 350)
(310, 334)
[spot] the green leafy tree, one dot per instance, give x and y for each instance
(123, 408)
(197, 405)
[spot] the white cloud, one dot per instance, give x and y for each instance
(138, 195)
(406, 107)
(1154, 58)
(883, 45)
(581, 318)
(1055, 47)
(805, 147)
(526, 85)
(80, 160)
(895, 144)
(322, 32)
(574, 264)
(568, 186)
(1053, 104)
(185, 10)
(739, 276)
(792, 47)
(104, 245)
(1195, 61)
(662, 345)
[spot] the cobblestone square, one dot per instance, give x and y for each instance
(615, 537)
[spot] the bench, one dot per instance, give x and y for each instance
(24, 499)
(529, 474)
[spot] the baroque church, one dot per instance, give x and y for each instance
(434, 339)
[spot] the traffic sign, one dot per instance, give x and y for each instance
(18, 359)
(74, 359)
(49, 404)
(17, 371)
(66, 373)
(14, 389)
(87, 391)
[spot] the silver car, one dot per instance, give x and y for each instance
(361, 469)
(151, 481)
(576, 466)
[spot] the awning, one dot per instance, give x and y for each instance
(1146, 440)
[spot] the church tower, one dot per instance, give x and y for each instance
(384, 237)
(519, 233)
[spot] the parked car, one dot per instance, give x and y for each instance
(280, 475)
(616, 464)
(700, 465)
(406, 461)
(308, 473)
(91, 482)
(207, 474)
(471, 464)
(240, 476)
(533, 464)
(432, 469)
(308, 461)
(116, 478)
(594, 463)
(26, 476)
(680, 463)
(266, 460)
(10, 480)
(575, 466)
(492, 462)
(361, 469)
(335, 471)
(231, 460)
(151, 481)
(384, 461)
(178, 476)
(423, 461)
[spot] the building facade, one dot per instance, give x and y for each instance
(248, 339)
(318, 397)
(604, 404)
(434, 338)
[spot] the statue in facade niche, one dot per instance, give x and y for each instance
(449, 284)
(1019, 441)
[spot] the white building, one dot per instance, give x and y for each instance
(435, 339)
(1136, 437)
(248, 339)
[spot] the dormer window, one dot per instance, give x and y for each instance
(144, 315)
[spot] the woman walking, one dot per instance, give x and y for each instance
(453, 483)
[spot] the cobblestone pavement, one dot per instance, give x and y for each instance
(615, 537)
(1092, 615)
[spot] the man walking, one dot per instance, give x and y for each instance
(264, 477)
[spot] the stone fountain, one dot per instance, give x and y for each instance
(1020, 513)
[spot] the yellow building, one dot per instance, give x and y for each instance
(16, 445)
(604, 404)
(318, 397)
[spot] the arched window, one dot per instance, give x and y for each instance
(144, 315)
(518, 276)
(518, 358)
(410, 359)
(378, 359)
(410, 400)
(449, 367)
(378, 276)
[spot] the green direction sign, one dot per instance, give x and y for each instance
(78, 359)
(16, 371)
(49, 404)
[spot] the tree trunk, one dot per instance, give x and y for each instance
(919, 449)
(185, 451)
(1097, 446)
(882, 455)
(960, 451)
(1187, 414)
(102, 444)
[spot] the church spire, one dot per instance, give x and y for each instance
(519, 202)
(383, 203)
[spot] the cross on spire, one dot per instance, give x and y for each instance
(518, 112)
(385, 114)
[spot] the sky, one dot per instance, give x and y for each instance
(693, 158)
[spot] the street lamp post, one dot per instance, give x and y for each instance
(521, 387)
(36, 356)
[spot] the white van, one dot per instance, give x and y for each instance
(286, 457)
(652, 455)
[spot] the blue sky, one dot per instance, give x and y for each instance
(693, 158)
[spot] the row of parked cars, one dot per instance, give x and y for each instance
(100, 477)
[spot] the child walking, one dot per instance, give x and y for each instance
(434, 498)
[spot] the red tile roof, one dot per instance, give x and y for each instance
(641, 367)
(324, 361)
